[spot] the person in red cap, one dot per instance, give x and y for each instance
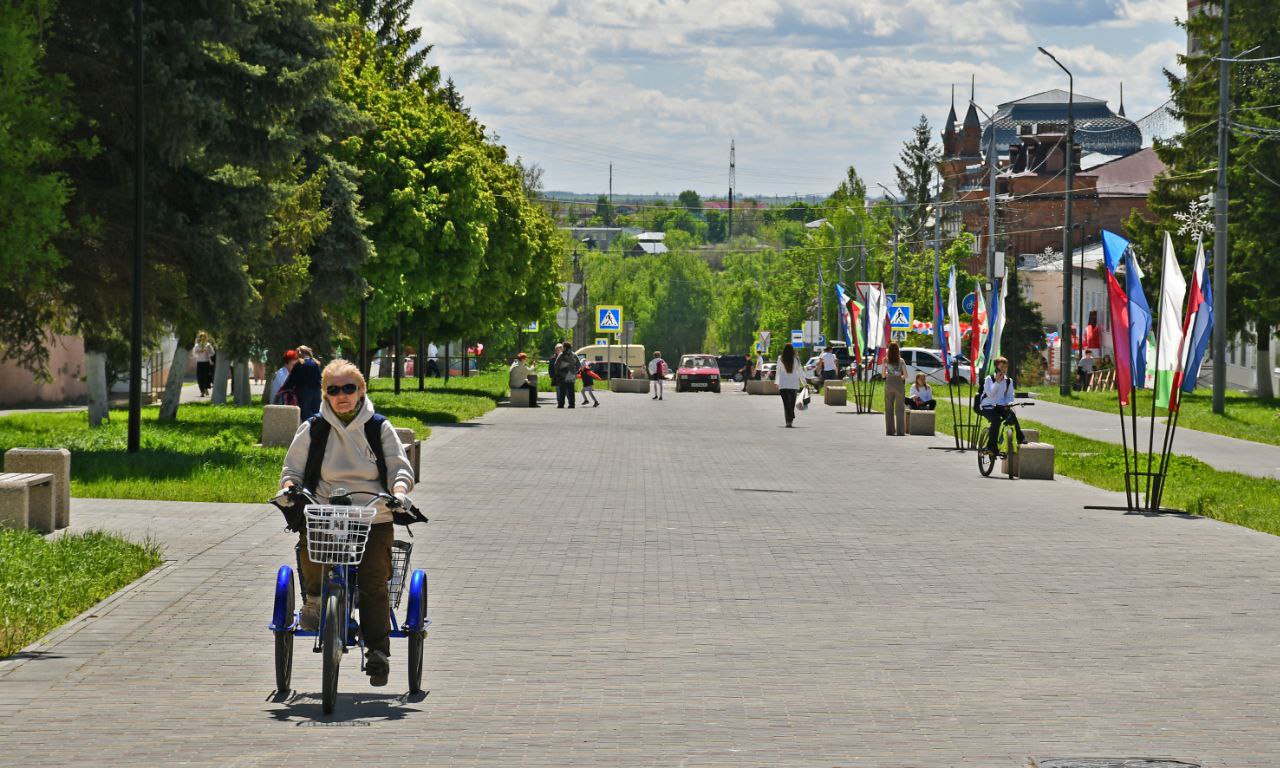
(280, 395)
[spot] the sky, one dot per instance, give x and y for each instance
(805, 88)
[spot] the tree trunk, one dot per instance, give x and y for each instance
(96, 374)
(1264, 362)
(173, 385)
(243, 395)
(221, 372)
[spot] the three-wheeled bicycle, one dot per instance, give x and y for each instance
(336, 534)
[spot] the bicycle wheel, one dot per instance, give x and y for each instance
(986, 459)
(416, 643)
(283, 617)
(335, 641)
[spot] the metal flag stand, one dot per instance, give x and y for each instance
(966, 424)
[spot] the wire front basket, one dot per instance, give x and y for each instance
(399, 570)
(336, 535)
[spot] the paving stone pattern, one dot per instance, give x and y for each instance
(687, 583)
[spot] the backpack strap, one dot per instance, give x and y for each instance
(373, 433)
(319, 430)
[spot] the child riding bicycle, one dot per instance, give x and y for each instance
(997, 397)
(342, 456)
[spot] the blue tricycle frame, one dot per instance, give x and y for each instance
(338, 600)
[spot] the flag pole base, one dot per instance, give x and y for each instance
(1151, 512)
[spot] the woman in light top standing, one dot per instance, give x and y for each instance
(894, 372)
(790, 378)
(921, 398)
(203, 352)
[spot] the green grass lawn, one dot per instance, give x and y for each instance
(45, 583)
(1192, 485)
(209, 454)
(1247, 418)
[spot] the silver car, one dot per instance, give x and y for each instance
(929, 362)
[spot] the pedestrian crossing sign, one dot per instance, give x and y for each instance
(608, 319)
(530, 327)
(900, 316)
(602, 342)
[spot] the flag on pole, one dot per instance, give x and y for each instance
(1139, 316)
(877, 315)
(996, 324)
(856, 312)
(1197, 326)
(1169, 343)
(842, 301)
(978, 336)
(953, 312)
(939, 329)
(1113, 248)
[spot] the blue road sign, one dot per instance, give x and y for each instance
(608, 319)
(890, 297)
(900, 317)
(797, 338)
(966, 304)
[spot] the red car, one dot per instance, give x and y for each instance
(698, 372)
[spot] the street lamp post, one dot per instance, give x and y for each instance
(1064, 340)
(139, 178)
(991, 203)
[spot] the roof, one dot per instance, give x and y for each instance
(1098, 129)
(1052, 262)
(651, 237)
(651, 247)
(1132, 175)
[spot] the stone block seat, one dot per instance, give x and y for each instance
(762, 387)
(53, 461)
(1035, 461)
(411, 447)
(921, 422)
(633, 386)
(835, 395)
(27, 501)
(521, 398)
(279, 424)
(1032, 436)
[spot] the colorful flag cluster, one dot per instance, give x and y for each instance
(1183, 334)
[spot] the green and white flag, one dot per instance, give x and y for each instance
(1169, 343)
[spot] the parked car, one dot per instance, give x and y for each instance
(929, 362)
(768, 371)
(698, 372)
(731, 366)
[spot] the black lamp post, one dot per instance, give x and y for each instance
(139, 144)
(1064, 341)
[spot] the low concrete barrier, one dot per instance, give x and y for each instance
(279, 424)
(1035, 462)
(521, 398)
(834, 395)
(413, 448)
(26, 501)
(921, 422)
(762, 387)
(633, 386)
(52, 461)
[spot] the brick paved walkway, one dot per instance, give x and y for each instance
(687, 583)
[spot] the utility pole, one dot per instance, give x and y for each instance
(139, 178)
(610, 222)
(1220, 221)
(1064, 339)
(733, 179)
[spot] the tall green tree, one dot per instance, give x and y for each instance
(691, 201)
(35, 121)
(914, 170)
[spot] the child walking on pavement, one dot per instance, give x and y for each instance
(657, 373)
(589, 377)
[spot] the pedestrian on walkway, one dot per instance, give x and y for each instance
(565, 372)
(279, 395)
(518, 378)
(1085, 370)
(894, 372)
(830, 366)
(747, 370)
(304, 380)
(588, 377)
(790, 378)
(203, 352)
(921, 398)
(347, 459)
(658, 374)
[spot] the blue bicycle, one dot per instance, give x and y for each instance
(336, 536)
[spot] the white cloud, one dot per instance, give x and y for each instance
(806, 87)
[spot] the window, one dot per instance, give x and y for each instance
(927, 360)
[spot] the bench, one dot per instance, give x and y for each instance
(633, 386)
(412, 448)
(834, 395)
(1033, 461)
(53, 461)
(762, 387)
(521, 398)
(920, 422)
(27, 501)
(279, 424)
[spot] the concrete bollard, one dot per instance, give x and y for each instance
(54, 461)
(762, 387)
(26, 501)
(920, 422)
(1035, 462)
(834, 395)
(521, 398)
(279, 424)
(634, 386)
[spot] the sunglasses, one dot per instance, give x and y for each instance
(346, 389)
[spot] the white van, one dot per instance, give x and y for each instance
(632, 355)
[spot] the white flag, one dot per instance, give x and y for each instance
(1169, 345)
(953, 316)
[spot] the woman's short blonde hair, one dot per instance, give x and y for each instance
(339, 367)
